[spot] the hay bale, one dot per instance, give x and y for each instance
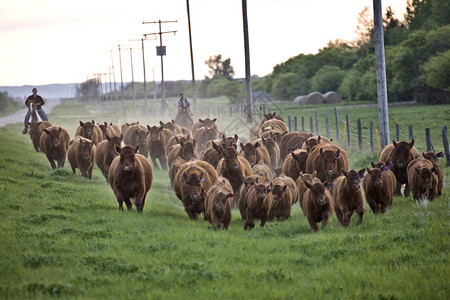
(314, 98)
(332, 97)
(299, 100)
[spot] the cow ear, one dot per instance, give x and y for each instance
(201, 121)
(46, 131)
(338, 153)
(59, 130)
(161, 123)
(423, 154)
(372, 164)
(440, 154)
(241, 145)
(369, 171)
(257, 145)
(321, 151)
(344, 172)
(107, 138)
(194, 142)
(148, 127)
(411, 143)
(236, 138)
(214, 120)
(121, 137)
(361, 173)
(394, 142)
(81, 124)
(117, 147)
(318, 139)
(417, 170)
(136, 149)
(161, 128)
(314, 174)
(106, 124)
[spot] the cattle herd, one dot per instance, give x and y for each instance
(264, 177)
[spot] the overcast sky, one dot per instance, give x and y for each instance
(54, 41)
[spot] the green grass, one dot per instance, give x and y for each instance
(64, 236)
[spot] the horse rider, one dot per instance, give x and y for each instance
(38, 102)
(183, 102)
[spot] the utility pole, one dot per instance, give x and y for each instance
(114, 76)
(132, 81)
(248, 79)
(121, 82)
(110, 84)
(161, 51)
(381, 73)
(194, 92)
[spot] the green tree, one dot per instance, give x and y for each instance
(437, 71)
(220, 67)
(287, 86)
(327, 78)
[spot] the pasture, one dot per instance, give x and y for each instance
(64, 236)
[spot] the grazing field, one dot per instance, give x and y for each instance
(64, 236)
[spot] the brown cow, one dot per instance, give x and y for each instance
(205, 123)
(254, 132)
(81, 155)
(285, 194)
(317, 204)
(300, 182)
(348, 196)
(433, 158)
(54, 144)
(273, 124)
(234, 168)
(257, 203)
(172, 126)
(90, 131)
(130, 176)
(295, 163)
(309, 144)
(126, 125)
(156, 142)
(186, 150)
(192, 181)
(203, 135)
(214, 154)
(106, 152)
(36, 130)
(328, 160)
(271, 116)
(136, 135)
(253, 152)
(176, 139)
(228, 141)
(218, 203)
(379, 185)
(401, 154)
(274, 151)
(263, 170)
(173, 170)
(291, 141)
(422, 179)
(246, 185)
(110, 130)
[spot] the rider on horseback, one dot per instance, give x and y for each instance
(183, 102)
(38, 102)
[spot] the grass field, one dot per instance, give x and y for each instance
(63, 236)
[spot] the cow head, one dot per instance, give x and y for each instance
(431, 156)
(194, 183)
(249, 181)
(402, 153)
(208, 122)
(318, 192)
(300, 156)
(220, 199)
(311, 142)
(34, 127)
(85, 149)
(88, 129)
(154, 133)
(329, 159)
(279, 191)
(249, 150)
(127, 157)
(270, 145)
(141, 135)
(231, 161)
(353, 178)
(112, 141)
(308, 177)
(375, 176)
(55, 135)
(425, 174)
(261, 190)
(188, 149)
(168, 125)
(103, 128)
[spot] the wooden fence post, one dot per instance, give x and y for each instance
(289, 123)
(337, 123)
(397, 132)
(410, 132)
(303, 124)
(348, 130)
(358, 123)
(264, 110)
(445, 140)
(371, 136)
(260, 112)
(317, 123)
(295, 124)
(311, 125)
(428, 139)
(327, 128)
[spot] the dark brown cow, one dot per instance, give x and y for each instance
(271, 116)
(192, 181)
(36, 130)
(300, 182)
(317, 204)
(274, 151)
(130, 176)
(401, 154)
(54, 144)
(257, 203)
(295, 163)
(110, 130)
(81, 155)
(106, 152)
(312, 141)
(137, 135)
(203, 135)
(176, 139)
(218, 203)
(213, 155)
(348, 196)
(285, 194)
(205, 123)
(328, 160)
(173, 170)
(172, 126)
(156, 141)
(253, 152)
(291, 141)
(90, 131)
(186, 150)
(422, 179)
(246, 185)
(433, 158)
(228, 141)
(379, 185)
(262, 170)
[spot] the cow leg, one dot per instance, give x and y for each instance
(338, 212)
(249, 222)
(163, 162)
(90, 172)
(191, 214)
(264, 220)
(128, 203)
(312, 223)
(216, 221)
(325, 218)
(139, 200)
(373, 205)
(345, 221)
(73, 169)
(52, 162)
(398, 189)
(155, 164)
(360, 212)
(407, 190)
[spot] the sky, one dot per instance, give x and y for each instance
(54, 41)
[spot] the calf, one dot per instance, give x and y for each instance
(273, 150)
(54, 143)
(110, 130)
(36, 129)
(173, 169)
(433, 158)
(205, 123)
(422, 179)
(81, 154)
(246, 185)
(317, 204)
(218, 203)
(313, 141)
(254, 152)
(126, 125)
(214, 155)
(295, 163)
(186, 150)
(348, 197)
(156, 141)
(379, 185)
(270, 116)
(291, 141)
(106, 152)
(300, 182)
(328, 160)
(90, 131)
(285, 194)
(203, 135)
(192, 181)
(176, 139)
(254, 132)
(130, 176)
(274, 124)
(172, 126)
(263, 170)
(135, 135)
(257, 203)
